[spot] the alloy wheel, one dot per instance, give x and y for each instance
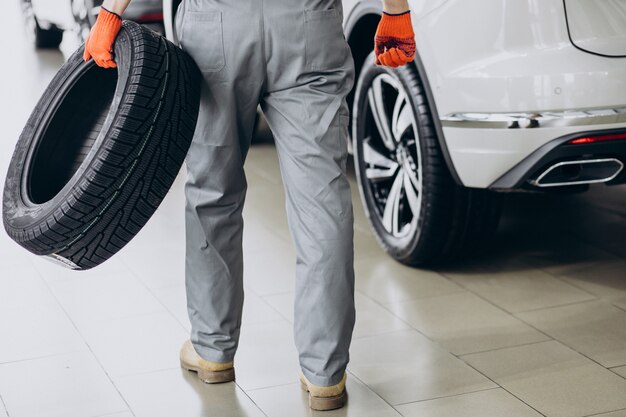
(391, 157)
(85, 13)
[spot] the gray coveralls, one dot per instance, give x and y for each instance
(289, 56)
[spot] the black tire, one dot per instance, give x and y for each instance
(444, 220)
(43, 38)
(47, 38)
(101, 150)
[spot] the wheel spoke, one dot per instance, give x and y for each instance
(403, 118)
(413, 176)
(380, 167)
(377, 105)
(391, 213)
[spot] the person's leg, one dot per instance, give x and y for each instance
(306, 110)
(224, 40)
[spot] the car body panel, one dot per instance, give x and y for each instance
(59, 12)
(54, 12)
(598, 26)
(522, 61)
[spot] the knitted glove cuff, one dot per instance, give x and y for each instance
(396, 25)
(108, 21)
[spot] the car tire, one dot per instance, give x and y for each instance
(47, 38)
(43, 38)
(101, 150)
(418, 214)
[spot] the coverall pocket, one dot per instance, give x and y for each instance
(325, 47)
(202, 37)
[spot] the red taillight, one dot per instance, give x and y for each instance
(151, 17)
(601, 138)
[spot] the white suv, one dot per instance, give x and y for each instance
(48, 19)
(503, 96)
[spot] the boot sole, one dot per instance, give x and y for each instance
(211, 377)
(325, 403)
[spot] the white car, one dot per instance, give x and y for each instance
(504, 95)
(48, 19)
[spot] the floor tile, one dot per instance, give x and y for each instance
(605, 280)
(13, 254)
(176, 392)
(596, 329)
(265, 165)
(3, 411)
(272, 270)
(404, 367)
(256, 310)
(37, 330)
(519, 289)
(105, 297)
(259, 238)
(54, 274)
(290, 400)
(620, 413)
(282, 303)
(21, 284)
(174, 298)
(265, 206)
(620, 370)
(573, 255)
(389, 282)
(607, 228)
(371, 318)
(489, 403)
(464, 323)
(266, 356)
(132, 345)
(365, 244)
(140, 259)
(553, 379)
(71, 385)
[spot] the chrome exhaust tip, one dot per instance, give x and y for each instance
(588, 171)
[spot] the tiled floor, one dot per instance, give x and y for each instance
(535, 327)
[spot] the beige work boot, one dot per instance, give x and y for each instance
(209, 372)
(325, 398)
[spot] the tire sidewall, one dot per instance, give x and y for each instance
(399, 248)
(20, 213)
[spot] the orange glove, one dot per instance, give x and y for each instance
(395, 40)
(99, 45)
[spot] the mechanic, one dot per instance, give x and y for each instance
(295, 62)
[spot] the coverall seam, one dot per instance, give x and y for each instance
(263, 53)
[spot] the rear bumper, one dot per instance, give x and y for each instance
(560, 150)
(485, 147)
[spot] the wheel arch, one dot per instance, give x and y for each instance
(360, 28)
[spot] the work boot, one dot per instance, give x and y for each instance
(325, 398)
(209, 372)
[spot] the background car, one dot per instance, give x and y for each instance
(48, 19)
(504, 96)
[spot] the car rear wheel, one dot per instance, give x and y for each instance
(85, 14)
(418, 214)
(42, 38)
